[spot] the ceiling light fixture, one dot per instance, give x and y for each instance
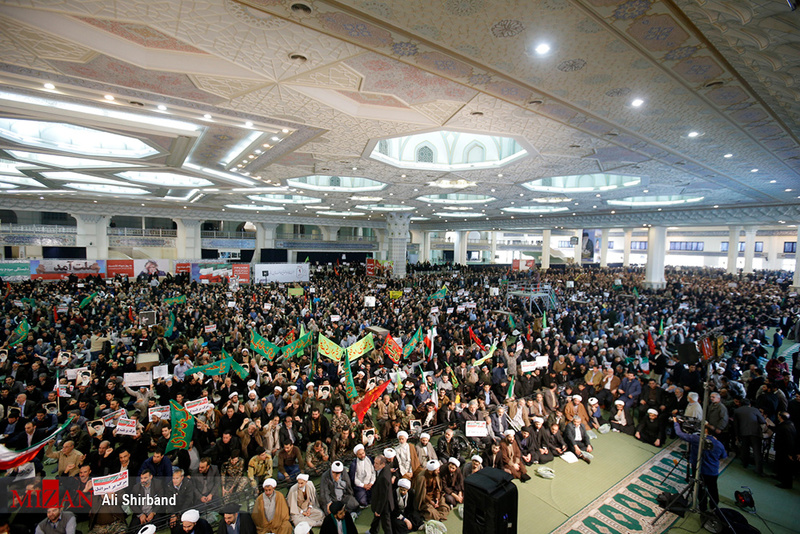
(542, 49)
(248, 124)
(728, 156)
(162, 107)
(693, 134)
(637, 102)
(753, 170)
(49, 86)
(110, 98)
(207, 117)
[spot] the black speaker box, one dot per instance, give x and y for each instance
(490, 503)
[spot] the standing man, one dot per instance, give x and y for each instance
(709, 468)
(747, 421)
(785, 450)
(382, 497)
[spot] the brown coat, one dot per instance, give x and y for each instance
(512, 455)
(570, 411)
(280, 521)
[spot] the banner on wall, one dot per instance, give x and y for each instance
(215, 273)
(15, 271)
(134, 268)
(266, 273)
(522, 265)
(589, 244)
(60, 269)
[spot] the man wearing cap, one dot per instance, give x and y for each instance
(453, 483)
(425, 450)
(303, 503)
(512, 457)
(576, 407)
(405, 516)
(382, 497)
(651, 429)
(362, 475)
(430, 497)
(192, 523)
(234, 521)
(335, 485)
(338, 521)
(271, 513)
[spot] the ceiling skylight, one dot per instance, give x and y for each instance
(456, 198)
(69, 176)
(108, 189)
(448, 151)
(66, 161)
(74, 139)
(20, 180)
(535, 209)
(655, 200)
(253, 207)
(11, 167)
(165, 179)
(286, 199)
(385, 207)
(458, 214)
(582, 183)
(344, 184)
(341, 213)
(7, 186)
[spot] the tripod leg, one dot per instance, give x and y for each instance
(684, 493)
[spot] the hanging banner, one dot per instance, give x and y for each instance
(282, 273)
(296, 347)
(412, 343)
(211, 369)
(15, 271)
(329, 349)
(182, 427)
(394, 295)
(61, 269)
(349, 384)
(262, 346)
(381, 269)
(361, 347)
(392, 349)
(590, 242)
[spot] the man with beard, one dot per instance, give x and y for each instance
(405, 516)
(512, 457)
(430, 497)
(541, 446)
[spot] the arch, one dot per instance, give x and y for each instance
(425, 153)
(475, 152)
(383, 147)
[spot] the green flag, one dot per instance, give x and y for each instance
(544, 319)
(412, 343)
(361, 347)
(220, 367)
(296, 347)
(312, 372)
(510, 393)
(182, 427)
(349, 384)
(511, 322)
(85, 302)
(262, 346)
(307, 260)
(328, 348)
(453, 378)
(175, 300)
(170, 325)
(439, 294)
(487, 357)
(636, 292)
(21, 331)
(661, 327)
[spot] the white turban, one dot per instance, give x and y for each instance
(424, 435)
(432, 465)
(270, 482)
(592, 400)
(279, 389)
(478, 459)
(192, 516)
(619, 402)
(389, 453)
(577, 397)
(357, 448)
(404, 483)
(538, 420)
(652, 411)
(508, 432)
(402, 434)
(337, 466)
(302, 476)
(455, 462)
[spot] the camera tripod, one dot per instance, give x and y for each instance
(675, 501)
(684, 457)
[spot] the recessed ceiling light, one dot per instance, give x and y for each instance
(207, 116)
(716, 205)
(613, 212)
(595, 207)
(753, 170)
(276, 138)
(773, 181)
(693, 134)
(542, 49)
(402, 176)
(109, 97)
(728, 156)
(49, 86)
(355, 168)
(162, 107)
(493, 190)
(645, 190)
(248, 124)
(788, 190)
(285, 130)
(500, 175)
(637, 102)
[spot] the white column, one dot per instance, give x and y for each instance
(749, 247)
(460, 248)
(579, 247)
(265, 235)
(426, 247)
(656, 255)
(93, 234)
(733, 247)
(796, 279)
(604, 248)
(626, 250)
(329, 233)
(397, 229)
(189, 241)
(546, 234)
(492, 246)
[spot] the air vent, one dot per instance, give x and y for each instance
(477, 113)
(301, 7)
(611, 134)
(574, 146)
(298, 58)
(535, 102)
(134, 103)
(716, 83)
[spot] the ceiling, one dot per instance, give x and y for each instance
(238, 97)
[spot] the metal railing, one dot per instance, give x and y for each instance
(299, 237)
(143, 232)
(357, 238)
(10, 228)
(228, 235)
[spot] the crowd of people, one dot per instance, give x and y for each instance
(615, 363)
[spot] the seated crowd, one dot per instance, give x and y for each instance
(613, 366)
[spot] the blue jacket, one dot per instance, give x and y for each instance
(162, 469)
(710, 463)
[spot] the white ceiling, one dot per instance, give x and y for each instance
(372, 70)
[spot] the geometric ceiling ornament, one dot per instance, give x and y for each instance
(46, 45)
(226, 86)
(142, 35)
(336, 76)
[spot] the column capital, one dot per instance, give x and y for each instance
(397, 224)
(91, 218)
(189, 223)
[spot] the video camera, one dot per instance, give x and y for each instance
(689, 425)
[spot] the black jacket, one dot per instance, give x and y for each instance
(382, 494)
(246, 525)
(329, 526)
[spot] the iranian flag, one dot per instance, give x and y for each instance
(10, 459)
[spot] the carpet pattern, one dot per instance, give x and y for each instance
(630, 505)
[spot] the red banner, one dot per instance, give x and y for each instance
(392, 349)
(181, 268)
(371, 267)
(369, 399)
(242, 270)
(122, 267)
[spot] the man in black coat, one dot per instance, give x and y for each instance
(786, 448)
(382, 497)
(240, 523)
(747, 421)
(329, 524)
(405, 516)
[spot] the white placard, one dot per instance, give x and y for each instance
(110, 483)
(283, 273)
(210, 328)
(460, 309)
(471, 305)
(231, 303)
(335, 318)
(72, 374)
(406, 290)
(570, 283)
(381, 286)
(528, 367)
(542, 361)
(110, 420)
(450, 310)
(161, 411)
(197, 406)
(476, 429)
(267, 306)
(160, 371)
(518, 348)
(369, 302)
(126, 427)
(494, 291)
(435, 309)
(143, 378)
(617, 281)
